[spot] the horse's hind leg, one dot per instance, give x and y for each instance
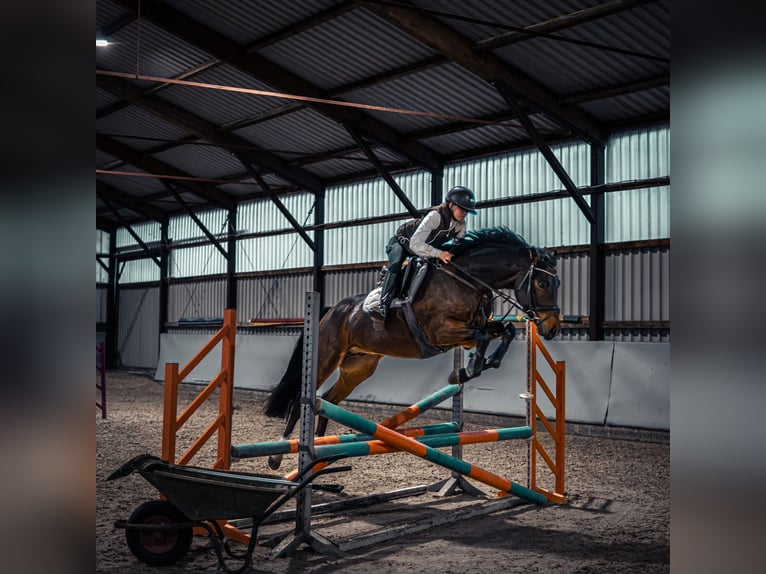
(326, 367)
(354, 369)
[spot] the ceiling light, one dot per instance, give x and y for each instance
(101, 39)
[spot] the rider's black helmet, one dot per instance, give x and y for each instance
(462, 197)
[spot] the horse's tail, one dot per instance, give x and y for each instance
(286, 395)
(288, 391)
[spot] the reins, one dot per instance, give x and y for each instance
(472, 281)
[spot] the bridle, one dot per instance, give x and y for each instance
(534, 310)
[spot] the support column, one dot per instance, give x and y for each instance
(231, 260)
(317, 284)
(112, 304)
(437, 187)
(164, 275)
(597, 276)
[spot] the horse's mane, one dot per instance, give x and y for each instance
(500, 235)
(496, 235)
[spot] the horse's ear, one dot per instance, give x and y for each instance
(533, 254)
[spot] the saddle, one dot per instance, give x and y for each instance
(415, 270)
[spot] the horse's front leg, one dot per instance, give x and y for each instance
(476, 359)
(507, 334)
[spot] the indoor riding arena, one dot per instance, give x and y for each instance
(383, 287)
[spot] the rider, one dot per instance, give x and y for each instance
(425, 237)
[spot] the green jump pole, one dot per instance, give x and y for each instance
(426, 452)
(291, 446)
(373, 447)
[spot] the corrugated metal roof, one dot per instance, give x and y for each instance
(447, 89)
(132, 121)
(352, 46)
(138, 186)
(341, 46)
(203, 160)
(149, 50)
(317, 134)
(218, 106)
(245, 22)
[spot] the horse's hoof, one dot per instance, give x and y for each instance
(275, 462)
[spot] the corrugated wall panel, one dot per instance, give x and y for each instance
(138, 329)
(340, 284)
(101, 300)
(196, 299)
(574, 270)
(274, 297)
(643, 213)
(638, 286)
(102, 248)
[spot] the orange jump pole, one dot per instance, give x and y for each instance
(397, 440)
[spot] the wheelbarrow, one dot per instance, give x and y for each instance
(159, 532)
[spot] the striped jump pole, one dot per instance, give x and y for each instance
(395, 439)
(421, 406)
(373, 447)
(403, 416)
(291, 446)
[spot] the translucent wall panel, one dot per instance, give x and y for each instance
(361, 244)
(273, 253)
(374, 197)
(138, 271)
(545, 224)
(149, 232)
(263, 215)
(285, 251)
(642, 213)
(183, 228)
(196, 261)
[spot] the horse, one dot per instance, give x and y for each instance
(452, 308)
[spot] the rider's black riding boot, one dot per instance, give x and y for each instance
(387, 292)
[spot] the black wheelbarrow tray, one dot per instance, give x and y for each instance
(159, 532)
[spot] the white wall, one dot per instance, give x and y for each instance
(616, 384)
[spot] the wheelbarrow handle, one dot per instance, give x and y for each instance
(300, 486)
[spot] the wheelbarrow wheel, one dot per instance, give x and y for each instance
(158, 547)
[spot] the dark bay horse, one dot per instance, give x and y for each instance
(452, 307)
